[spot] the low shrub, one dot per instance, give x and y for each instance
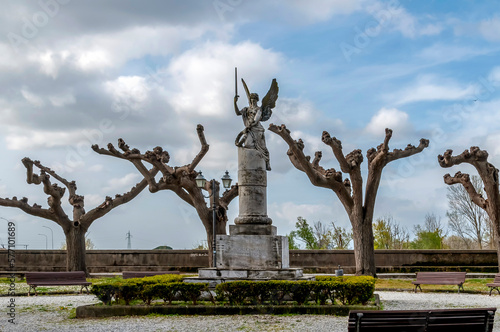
(344, 290)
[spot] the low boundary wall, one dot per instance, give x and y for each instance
(313, 261)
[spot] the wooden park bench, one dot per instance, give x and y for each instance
(142, 274)
(440, 278)
(495, 284)
(35, 279)
(442, 320)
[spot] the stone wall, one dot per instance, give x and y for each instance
(321, 261)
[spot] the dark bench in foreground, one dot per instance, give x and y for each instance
(74, 278)
(440, 278)
(142, 274)
(453, 320)
(495, 284)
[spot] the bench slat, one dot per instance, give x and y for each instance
(77, 278)
(142, 274)
(466, 320)
(440, 278)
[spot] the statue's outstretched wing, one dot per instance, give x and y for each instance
(269, 101)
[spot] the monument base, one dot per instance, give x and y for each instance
(252, 230)
(214, 276)
(252, 252)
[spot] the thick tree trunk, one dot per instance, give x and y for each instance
(75, 244)
(364, 252)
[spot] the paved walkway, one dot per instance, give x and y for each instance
(51, 313)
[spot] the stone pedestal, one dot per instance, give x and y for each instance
(252, 250)
(252, 188)
(255, 252)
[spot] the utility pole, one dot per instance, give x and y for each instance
(129, 243)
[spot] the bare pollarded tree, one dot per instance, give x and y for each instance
(467, 220)
(76, 226)
(488, 173)
(350, 190)
(180, 180)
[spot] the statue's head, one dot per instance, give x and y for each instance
(254, 96)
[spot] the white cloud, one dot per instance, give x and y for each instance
(442, 53)
(395, 17)
(62, 99)
(489, 29)
(96, 168)
(321, 10)
(93, 200)
(21, 139)
(431, 88)
(289, 211)
(128, 92)
(388, 118)
(197, 75)
(32, 98)
(123, 183)
(494, 76)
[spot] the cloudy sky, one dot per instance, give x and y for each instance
(75, 73)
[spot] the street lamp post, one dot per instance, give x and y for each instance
(46, 239)
(226, 182)
(51, 235)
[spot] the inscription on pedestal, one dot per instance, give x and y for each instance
(256, 252)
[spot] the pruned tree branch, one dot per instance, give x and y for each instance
(228, 196)
(34, 210)
(464, 179)
(110, 203)
(336, 145)
(181, 180)
(204, 148)
(318, 176)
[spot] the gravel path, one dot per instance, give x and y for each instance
(52, 313)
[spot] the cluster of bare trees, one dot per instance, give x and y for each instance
(482, 223)
(474, 211)
(180, 180)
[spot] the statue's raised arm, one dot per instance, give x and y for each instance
(252, 137)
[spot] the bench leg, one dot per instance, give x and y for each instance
(358, 321)
(417, 286)
(461, 286)
(81, 290)
(492, 288)
(34, 289)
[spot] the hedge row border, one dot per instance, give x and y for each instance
(98, 311)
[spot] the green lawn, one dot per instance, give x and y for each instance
(470, 285)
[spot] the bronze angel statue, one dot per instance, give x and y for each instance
(252, 136)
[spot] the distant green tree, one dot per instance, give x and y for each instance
(305, 233)
(430, 236)
(319, 236)
(164, 247)
(340, 237)
(202, 245)
(292, 245)
(388, 234)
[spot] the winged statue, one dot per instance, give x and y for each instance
(252, 137)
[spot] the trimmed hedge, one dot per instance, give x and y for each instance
(344, 290)
(332, 290)
(132, 289)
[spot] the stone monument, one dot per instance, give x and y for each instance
(252, 250)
